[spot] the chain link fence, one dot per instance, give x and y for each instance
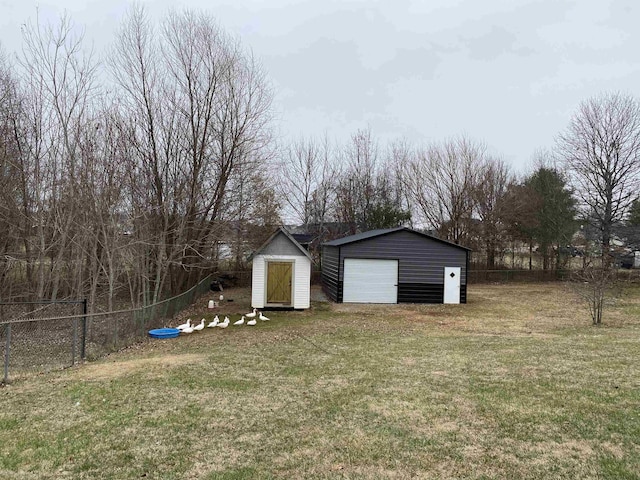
(508, 276)
(37, 337)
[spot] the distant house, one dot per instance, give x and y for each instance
(312, 235)
(304, 239)
(630, 260)
(281, 273)
(393, 266)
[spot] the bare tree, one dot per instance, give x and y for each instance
(491, 206)
(369, 193)
(521, 217)
(103, 190)
(58, 80)
(323, 195)
(306, 176)
(10, 112)
(601, 148)
(594, 286)
(191, 127)
(355, 191)
(398, 155)
(440, 181)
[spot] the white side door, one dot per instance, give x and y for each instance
(370, 281)
(452, 284)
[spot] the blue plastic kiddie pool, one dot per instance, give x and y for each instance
(164, 333)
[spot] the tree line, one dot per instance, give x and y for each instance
(455, 189)
(458, 190)
(119, 175)
(133, 175)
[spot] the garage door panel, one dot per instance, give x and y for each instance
(370, 281)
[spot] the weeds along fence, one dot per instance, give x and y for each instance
(508, 276)
(36, 337)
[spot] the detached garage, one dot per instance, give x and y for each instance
(280, 273)
(396, 265)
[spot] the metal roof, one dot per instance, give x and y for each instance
(385, 231)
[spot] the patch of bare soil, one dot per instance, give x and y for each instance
(235, 302)
(366, 308)
(317, 295)
(113, 369)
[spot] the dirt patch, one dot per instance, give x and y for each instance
(113, 369)
(617, 451)
(317, 295)
(236, 301)
(571, 449)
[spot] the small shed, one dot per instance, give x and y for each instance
(280, 273)
(396, 265)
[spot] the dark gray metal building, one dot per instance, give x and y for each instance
(396, 265)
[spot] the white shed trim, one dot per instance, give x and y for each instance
(300, 281)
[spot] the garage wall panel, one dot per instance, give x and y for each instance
(421, 260)
(330, 262)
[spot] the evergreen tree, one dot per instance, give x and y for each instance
(631, 231)
(555, 218)
(634, 214)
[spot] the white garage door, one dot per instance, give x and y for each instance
(370, 281)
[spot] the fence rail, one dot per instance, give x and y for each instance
(503, 276)
(506, 276)
(37, 336)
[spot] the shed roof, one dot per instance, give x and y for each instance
(289, 237)
(385, 231)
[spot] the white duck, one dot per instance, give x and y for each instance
(199, 327)
(187, 330)
(263, 318)
(252, 314)
(252, 322)
(214, 322)
(239, 322)
(184, 325)
(225, 323)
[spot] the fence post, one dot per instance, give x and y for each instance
(75, 342)
(83, 348)
(7, 327)
(142, 321)
(115, 331)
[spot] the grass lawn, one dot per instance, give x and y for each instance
(515, 384)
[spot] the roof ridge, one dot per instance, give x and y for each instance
(385, 231)
(281, 229)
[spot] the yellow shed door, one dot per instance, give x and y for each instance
(279, 282)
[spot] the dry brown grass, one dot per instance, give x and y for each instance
(114, 367)
(515, 384)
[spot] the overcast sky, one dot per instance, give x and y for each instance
(507, 72)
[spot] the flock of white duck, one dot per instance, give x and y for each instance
(253, 317)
